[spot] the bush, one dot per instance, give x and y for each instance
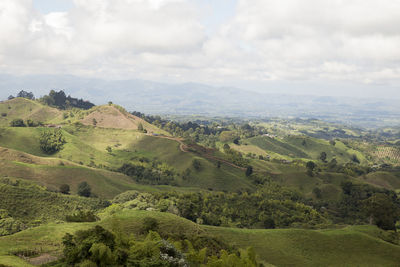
(82, 216)
(17, 123)
(150, 224)
(51, 141)
(196, 164)
(249, 171)
(84, 189)
(64, 188)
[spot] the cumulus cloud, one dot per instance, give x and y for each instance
(264, 40)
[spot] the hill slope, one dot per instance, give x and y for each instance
(22, 108)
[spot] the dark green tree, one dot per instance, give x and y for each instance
(196, 164)
(310, 167)
(17, 123)
(249, 170)
(84, 189)
(51, 141)
(64, 188)
(323, 156)
(382, 211)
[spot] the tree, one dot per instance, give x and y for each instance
(94, 122)
(17, 123)
(226, 147)
(236, 141)
(150, 224)
(196, 164)
(332, 142)
(249, 171)
(51, 141)
(323, 156)
(383, 212)
(355, 159)
(317, 192)
(84, 189)
(64, 188)
(10, 97)
(140, 127)
(109, 149)
(310, 167)
(25, 94)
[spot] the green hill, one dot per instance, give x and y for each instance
(22, 108)
(350, 246)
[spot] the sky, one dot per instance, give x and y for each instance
(336, 47)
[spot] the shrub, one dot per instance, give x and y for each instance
(64, 188)
(196, 164)
(4, 114)
(249, 171)
(150, 224)
(82, 216)
(17, 123)
(84, 189)
(51, 141)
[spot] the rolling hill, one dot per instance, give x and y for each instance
(100, 141)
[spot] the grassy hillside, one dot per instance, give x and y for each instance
(32, 204)
(350, 246)
(388, 180)
(87, 146)
(303, 147)
(22, 108)
(112, 116)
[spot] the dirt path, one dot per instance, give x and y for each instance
(42, 259)
(184, 148)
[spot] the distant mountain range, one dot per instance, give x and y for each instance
(199, 99)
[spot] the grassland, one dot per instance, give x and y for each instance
(21, 108)
(350, 246)
(28, 176)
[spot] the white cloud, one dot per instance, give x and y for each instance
(265, 40)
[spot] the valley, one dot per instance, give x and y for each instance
(299, 192)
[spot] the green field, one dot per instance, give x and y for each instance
(350, 246)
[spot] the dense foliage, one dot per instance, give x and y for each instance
(267, 208)
(156, 174)
(100, 247)
(51, 141)
(61, 101)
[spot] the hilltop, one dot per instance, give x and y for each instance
(22, 108)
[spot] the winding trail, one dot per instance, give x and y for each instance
(184, 148)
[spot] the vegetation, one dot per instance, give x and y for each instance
(61, 101)
(84, 189)
(193, 191)
(51, 141)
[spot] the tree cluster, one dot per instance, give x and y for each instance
(100, 247)
(156, 174)
(51, 141)
(61, 101)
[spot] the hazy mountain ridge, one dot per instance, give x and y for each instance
(193, 98)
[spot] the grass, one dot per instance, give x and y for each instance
(47, 238)
(351, 246)
(388, 180)
(32, 204)
(87, 145)
(21, 108)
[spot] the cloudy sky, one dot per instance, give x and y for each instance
(335, 47)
